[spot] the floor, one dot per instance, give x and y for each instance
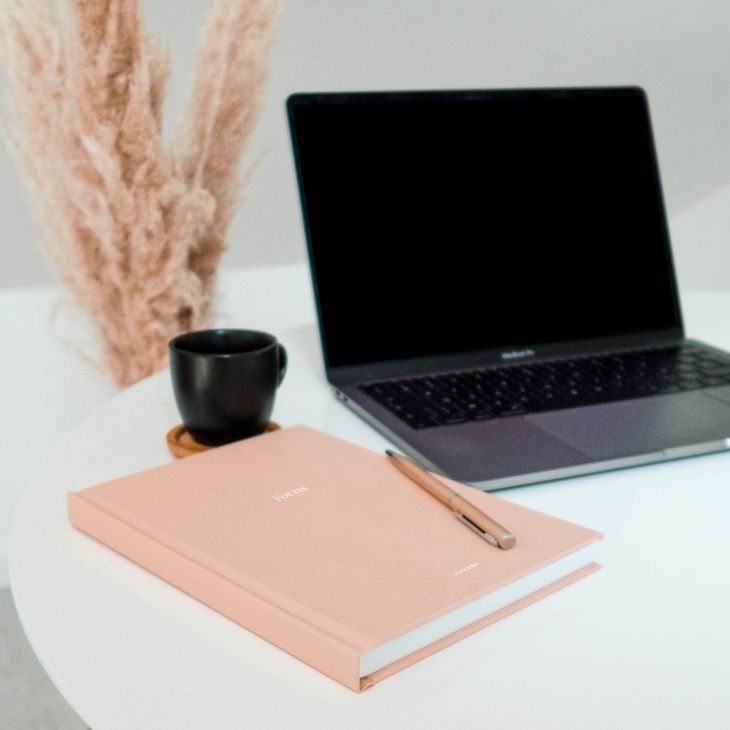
(28, 699)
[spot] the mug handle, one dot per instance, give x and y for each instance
(283, 362)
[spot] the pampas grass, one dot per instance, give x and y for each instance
(135, 229)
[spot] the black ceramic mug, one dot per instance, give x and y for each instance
(225, 382)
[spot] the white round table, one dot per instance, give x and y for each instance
(644, 643)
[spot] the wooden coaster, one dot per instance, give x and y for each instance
(182, 444)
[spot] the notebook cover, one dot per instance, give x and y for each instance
(317, 545)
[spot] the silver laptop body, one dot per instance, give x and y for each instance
(494, 281)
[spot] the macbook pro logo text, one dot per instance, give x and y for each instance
(515, 354)
(291, 493)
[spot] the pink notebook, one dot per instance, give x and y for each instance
(326, 550)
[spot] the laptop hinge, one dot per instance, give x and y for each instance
(514, 355)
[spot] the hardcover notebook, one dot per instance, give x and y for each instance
(326, 550)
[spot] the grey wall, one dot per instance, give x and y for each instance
(677, 50)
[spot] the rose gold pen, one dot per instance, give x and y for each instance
(464, 510)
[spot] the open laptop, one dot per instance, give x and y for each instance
(494, 281)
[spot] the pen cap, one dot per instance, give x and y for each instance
(503, 536)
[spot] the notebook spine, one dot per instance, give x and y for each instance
(289, 632)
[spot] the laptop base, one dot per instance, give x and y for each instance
(519, 450)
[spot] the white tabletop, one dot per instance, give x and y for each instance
(644, 643)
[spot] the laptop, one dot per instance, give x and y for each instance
(494, 281)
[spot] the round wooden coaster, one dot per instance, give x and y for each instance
(182, 444)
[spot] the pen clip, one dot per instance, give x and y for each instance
(475, 528)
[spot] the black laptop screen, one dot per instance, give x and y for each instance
(446, 223)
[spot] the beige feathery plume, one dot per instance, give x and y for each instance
(134, 230)
(222, 110)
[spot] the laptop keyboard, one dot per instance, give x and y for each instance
(493, 392)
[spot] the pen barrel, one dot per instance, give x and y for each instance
(435, 487)
(446, 495)
(503, 536)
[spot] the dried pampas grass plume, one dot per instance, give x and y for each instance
(135, 230)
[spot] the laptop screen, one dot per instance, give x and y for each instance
(447, 222)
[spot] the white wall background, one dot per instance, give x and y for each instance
(679, 51)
